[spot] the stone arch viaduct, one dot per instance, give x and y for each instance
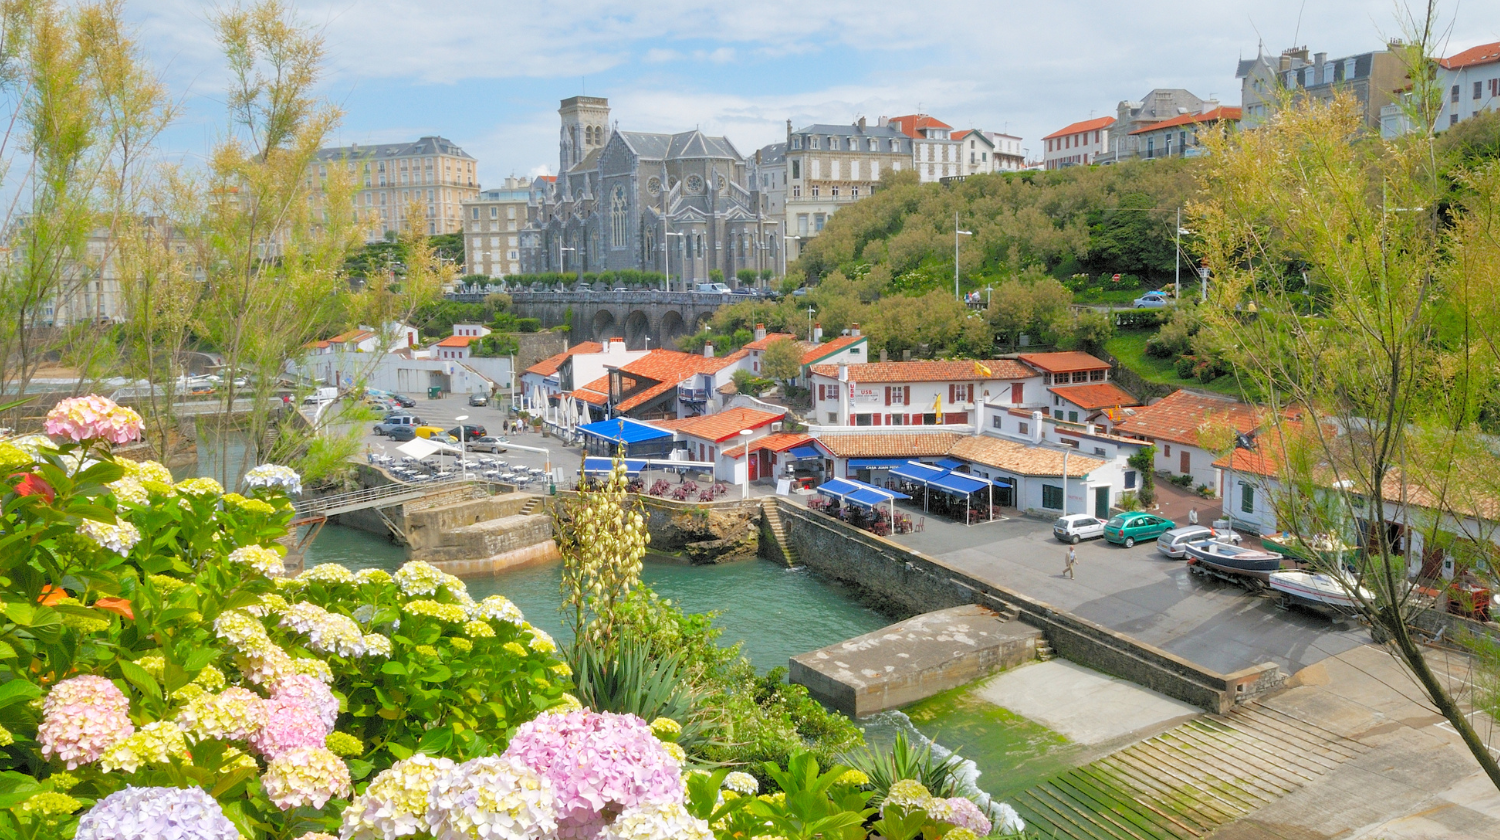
(635, 316)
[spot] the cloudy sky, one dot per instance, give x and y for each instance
(489, 74)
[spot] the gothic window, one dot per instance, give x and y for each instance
(618, 207)
(694, 185)
(653, 186)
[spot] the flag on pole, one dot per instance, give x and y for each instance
(981, 370)
(937, 407)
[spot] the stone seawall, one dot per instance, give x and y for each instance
(906, 582)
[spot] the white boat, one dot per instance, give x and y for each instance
(1319, 591)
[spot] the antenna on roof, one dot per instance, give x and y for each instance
(1298, 31)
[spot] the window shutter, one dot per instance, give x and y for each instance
(906, 395)
(877, 419)
(952, 396)
(820, 392)
(887, 395)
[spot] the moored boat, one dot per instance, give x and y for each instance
(1239, 561)
(1319, 591)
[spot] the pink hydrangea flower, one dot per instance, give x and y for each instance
(93, 418)
(311, 692)
(81, 718)
(599, 764)
(962, 813)
(290, 724)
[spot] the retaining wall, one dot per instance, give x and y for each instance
(898, 579)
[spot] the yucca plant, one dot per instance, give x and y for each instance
(632, 679)
(904, 760)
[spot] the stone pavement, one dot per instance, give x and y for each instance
(1088, 707)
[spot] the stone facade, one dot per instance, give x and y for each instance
(431, 171)
(492, 229)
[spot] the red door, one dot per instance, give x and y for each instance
(1187, 462)
(1017, 392)
(754, 458)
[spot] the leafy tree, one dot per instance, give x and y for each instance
(1385, 380)
(1144, 462)
(782, 360)
(448, 247)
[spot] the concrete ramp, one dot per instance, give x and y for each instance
(914, 659)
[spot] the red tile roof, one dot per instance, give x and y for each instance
(1482, 54)
(596, 392)
(763, 343)
(779, 442)
(1081, 127)
(1015, 457)
(1217, 114)
(901, 445)
(641, 398)
(1096, 395)
(1063, 362)
(1177, 417)
(959, 135)
(960, 371)
(727, 424)
(672, 366)
(549, 365)
(457, 341)
(828, 348)
(352, 335)
(912, 124)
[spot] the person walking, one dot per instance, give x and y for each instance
(1193, 516)
(1071, 561)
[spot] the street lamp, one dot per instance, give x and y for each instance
(783, 251)
(957, 233)
(810, 311)
(666, 247)
(462, 454)
(563, 265)
(745, 439)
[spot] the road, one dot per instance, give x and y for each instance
(1141, 593)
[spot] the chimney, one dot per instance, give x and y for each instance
(1320, 59)
(1036, 427)
(760, 332)
(843, 371)
(883, 122)
(861, 123)
(854, 329)
(817, 332)
(906, 355)
(882, 354)
(708, 349)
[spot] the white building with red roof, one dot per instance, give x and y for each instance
(1471, 84)
(1077, 144)
(1179, 136)
(1173, 424)
(717, 438)
(917, 393)
(935, 153)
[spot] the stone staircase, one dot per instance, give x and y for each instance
(532, 507)
(1187, 781)
(772, 515)
(1044, 652)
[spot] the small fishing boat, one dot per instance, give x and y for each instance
(1237, 562)
(1321, 592)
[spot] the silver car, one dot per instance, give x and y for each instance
(1076, 527)
(486, 444)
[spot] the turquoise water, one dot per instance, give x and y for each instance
(774, 612)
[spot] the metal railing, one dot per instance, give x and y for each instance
(384, 496)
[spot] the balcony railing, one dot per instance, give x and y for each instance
(692, 394)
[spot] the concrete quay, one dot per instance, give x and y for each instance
(914, 659)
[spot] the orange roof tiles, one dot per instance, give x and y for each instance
(640, 398)
(828, 348)
(1063, 362)
(1217, 114)
(912, 124)
(1482, 54)
(1018, 458)
(457, 341)
(352, 335)
(1095, 396)
(1177, 417)
(727, 424)
(549, 365)
(672, 366)
(902, 445)
(763, 343)
(1081, 127)
(779, 442)
(960, 371)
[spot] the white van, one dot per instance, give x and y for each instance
(712, 289)
(321, 395)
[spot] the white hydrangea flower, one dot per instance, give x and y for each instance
(500, 608)
(491, 797)
(119, 537)
(129, 490)
(328, 573)
(657, 821)
(259, 559)
(377, 645)
(742, 783)
(419, 578)
(396, 802)
(272, 475)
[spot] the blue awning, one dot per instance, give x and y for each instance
(920, 473)
(602, 466)
(870, 497)
(961, 484)
(950, 463)
(858, 492)
(805, 450)
(940, 479)
(875, 463)
(624, 430)
(840, 487)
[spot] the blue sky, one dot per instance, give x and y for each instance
(489, 75)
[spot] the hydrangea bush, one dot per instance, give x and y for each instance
(161, 677)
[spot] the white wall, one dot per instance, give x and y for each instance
(1200, 460)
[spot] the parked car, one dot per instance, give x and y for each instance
(402, 433)
(1173, 542)
(442, 437)
(747, 291)
(478, 400)
(712, 289)
(428, 431)
(397, 421)
(487, 444)
(1076, 527)
(471, 431)
(1127, 529)
(403, 400)
(380, 403)
(321, 395)
(1152, 300)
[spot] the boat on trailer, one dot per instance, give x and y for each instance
(1243, 565)
(1317, 591)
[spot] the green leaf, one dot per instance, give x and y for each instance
(435, 741)
(20, 612)
(16, 691)
(399, 751)
(139, 678)
(393, 668)
(437, 674)
(200, 659)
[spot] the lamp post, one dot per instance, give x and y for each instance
(563, 265)
(666, 245)
(745, 439)
(956, 234)
(462, 453)
(788, 238)
(810, 311)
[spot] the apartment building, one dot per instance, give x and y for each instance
(1375, 79)
(1179, 136)
(89, 291)
(935, 153)
(833, 166)
(492, 223)
(924, 393)
(1471, 84)
(431, 171)
(1077, 144)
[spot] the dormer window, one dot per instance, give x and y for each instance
(814, 142)
(796, 142)
(833, 143)
(874, 145)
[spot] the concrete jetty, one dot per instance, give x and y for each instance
(914, 659)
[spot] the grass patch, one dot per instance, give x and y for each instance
(1130, 348)
(1117, 296)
